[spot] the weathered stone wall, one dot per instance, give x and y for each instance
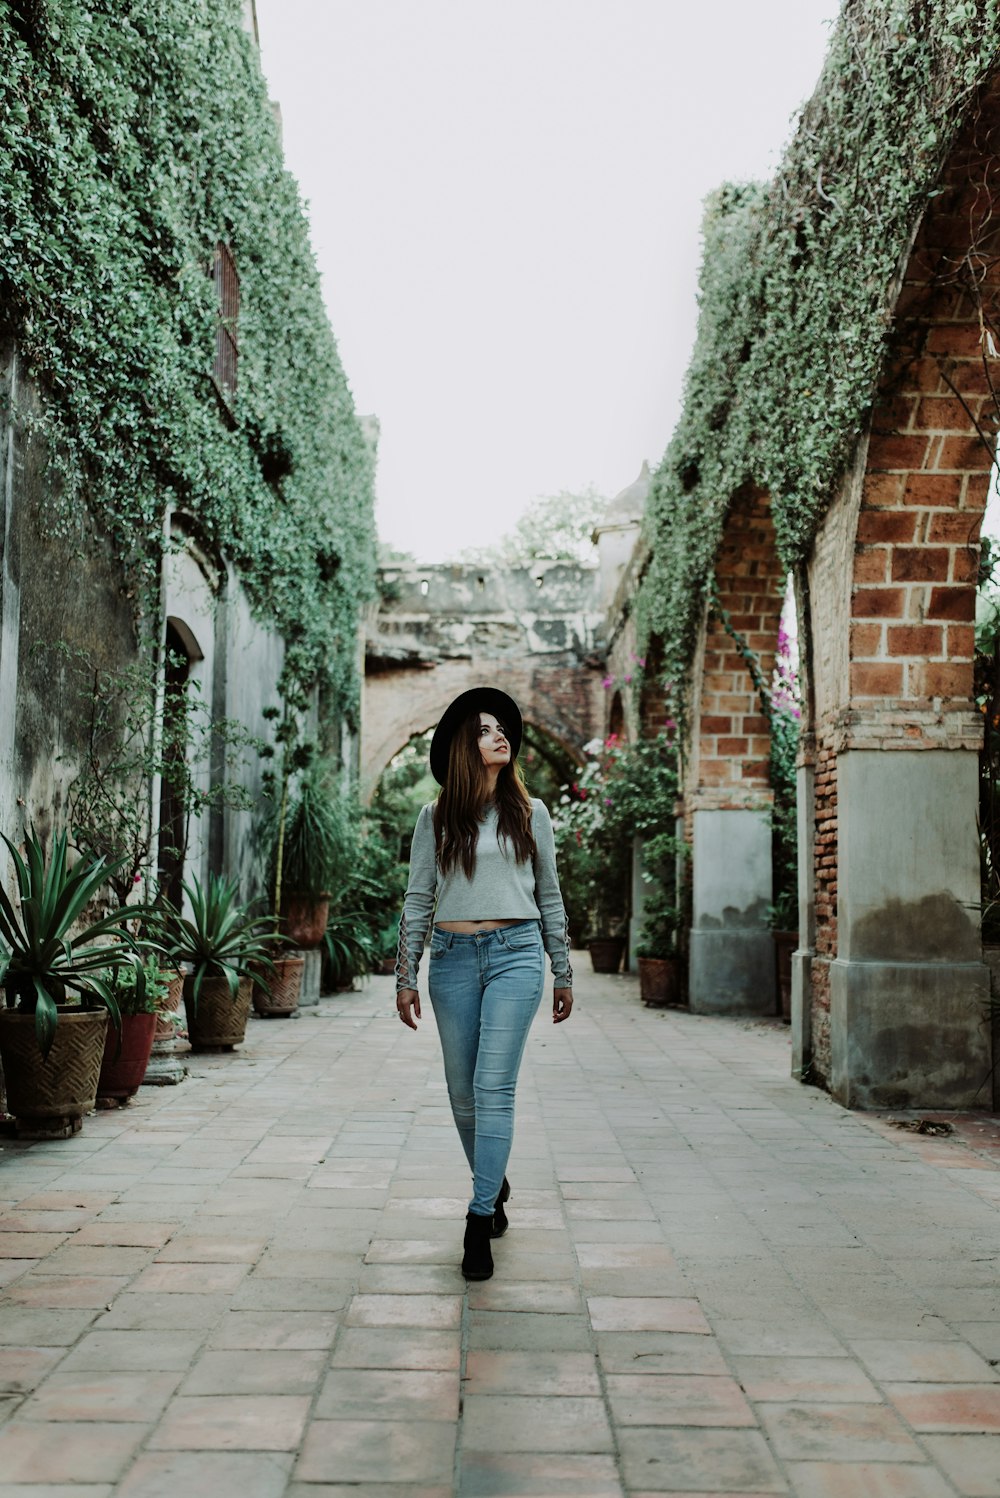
(73, 590)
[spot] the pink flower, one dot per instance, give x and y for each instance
(627, 680)
(608, 681)
(670, 723)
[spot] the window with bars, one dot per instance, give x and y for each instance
(227, 352)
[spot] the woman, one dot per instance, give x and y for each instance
(482, 863)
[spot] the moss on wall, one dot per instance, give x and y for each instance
(133, 139)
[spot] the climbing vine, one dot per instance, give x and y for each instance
(132, 140)
(797, 287)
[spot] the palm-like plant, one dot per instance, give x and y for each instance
(42, 959)
(221, 939)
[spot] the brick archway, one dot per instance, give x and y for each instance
(727, 792)
(893, 577)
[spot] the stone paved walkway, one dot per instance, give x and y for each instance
(715, 1281)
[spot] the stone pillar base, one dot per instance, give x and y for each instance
(732, 972)
(801, 1015)
(309, 992)
(732, 950)
(910, 1035)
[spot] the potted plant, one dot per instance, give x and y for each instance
(350, 950)
(51, 1043)
(126, 1054)
(225, 948)
(659, 961)
(314, 840)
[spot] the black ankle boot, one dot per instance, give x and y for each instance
(477, 1263)
(499, 1215)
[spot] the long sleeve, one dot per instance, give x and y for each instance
(548, 898)
(418, 903)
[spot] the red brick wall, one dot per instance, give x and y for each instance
(731, 734)
(927, 474)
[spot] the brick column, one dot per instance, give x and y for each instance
(897, 764)
(727, 790)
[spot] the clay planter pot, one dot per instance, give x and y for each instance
(121, 1078)
(280, 996)
(51, 1096)
(303, 919)
(785, 943)
(221, 1021)
(660, 981)
(606, 953)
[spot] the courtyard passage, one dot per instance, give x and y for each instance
(715, 1280)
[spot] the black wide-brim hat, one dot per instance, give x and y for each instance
(475, 700)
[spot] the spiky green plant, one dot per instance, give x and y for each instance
(42, 958)
(220, 939)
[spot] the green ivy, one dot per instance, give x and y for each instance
(133, 138)
(796, 295)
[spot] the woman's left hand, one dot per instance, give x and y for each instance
(562, 1004)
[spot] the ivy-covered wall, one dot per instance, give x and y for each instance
(798, 284)
(133, 138)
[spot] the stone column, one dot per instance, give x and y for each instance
(732, 951)
(805, 789)
(908, 989)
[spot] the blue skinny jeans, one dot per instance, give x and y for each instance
(485, 990)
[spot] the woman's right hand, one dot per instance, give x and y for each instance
(408, 1006)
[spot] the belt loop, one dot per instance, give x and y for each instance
(451, 937)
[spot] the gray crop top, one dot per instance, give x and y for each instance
(500, 889)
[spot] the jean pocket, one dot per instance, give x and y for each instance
(524, 941)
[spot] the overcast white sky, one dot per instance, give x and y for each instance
(505, 198)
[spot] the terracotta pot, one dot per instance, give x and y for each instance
(54, 1094)
(280, 996)
(121, 1077)
(606, 953)
(221, 1020)
(303, 919)
(785, 943)
(660, 981)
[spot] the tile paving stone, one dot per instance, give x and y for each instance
(23, 1368)
(866, 1480)
(162, 1311)
(220, 1371)
(837, 1432)
(390, 1451)
(514, 1294)
(668, 1460)
(20, 1245)
(207, 1474)
(972, 1463)
(89, 1452)
(677, 1399)
(52, 1291)
(383, 1347)
(100, 1395)
(56, 1490)
(946, 1407)
(432, 1311)
(528, 1331)
(139, 1351)
(773, 1380)
(388, 1394)
(240, 1422)
(510, 1422)
(623, 1313)
(931, 1362)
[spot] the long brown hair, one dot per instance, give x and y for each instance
(461, 799)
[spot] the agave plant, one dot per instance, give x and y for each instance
(42, 959)
(221, 939)
(350, 948)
